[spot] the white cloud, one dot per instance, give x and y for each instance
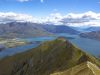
(72, 19)
(41, 1)
(29, 0)
(53, 18)
(10, 16)
(23, 0)
(84, 19)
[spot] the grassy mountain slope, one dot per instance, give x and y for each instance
(86, 68)
(50, 57)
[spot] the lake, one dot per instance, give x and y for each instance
(88, 45)
(12, 51)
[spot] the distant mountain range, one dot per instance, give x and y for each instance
(92, 35)
(60, 29)
(87, 29)
(93, 28)
(18, 29)
(57, 57)
(27, 29)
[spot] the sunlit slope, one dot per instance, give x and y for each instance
(86, 68)
(49, 58)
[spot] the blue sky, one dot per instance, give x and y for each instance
(41, 8)
(65, 12)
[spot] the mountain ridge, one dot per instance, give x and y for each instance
(28, 29)
(86, 68)
(50, 57)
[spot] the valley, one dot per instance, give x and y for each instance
(49, 37)
(62, 45)
(54, 57)
(88, 45)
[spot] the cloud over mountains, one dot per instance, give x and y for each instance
(73, 19)
(10, 17)
(88, 18)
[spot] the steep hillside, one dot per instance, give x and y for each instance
(22, 29)
(50, 57)
(27, 29)
(92, 35)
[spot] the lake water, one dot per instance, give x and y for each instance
(88, 45)
(12, 51)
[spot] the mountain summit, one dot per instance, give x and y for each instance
(57, 57)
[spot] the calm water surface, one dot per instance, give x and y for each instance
(88, 45)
